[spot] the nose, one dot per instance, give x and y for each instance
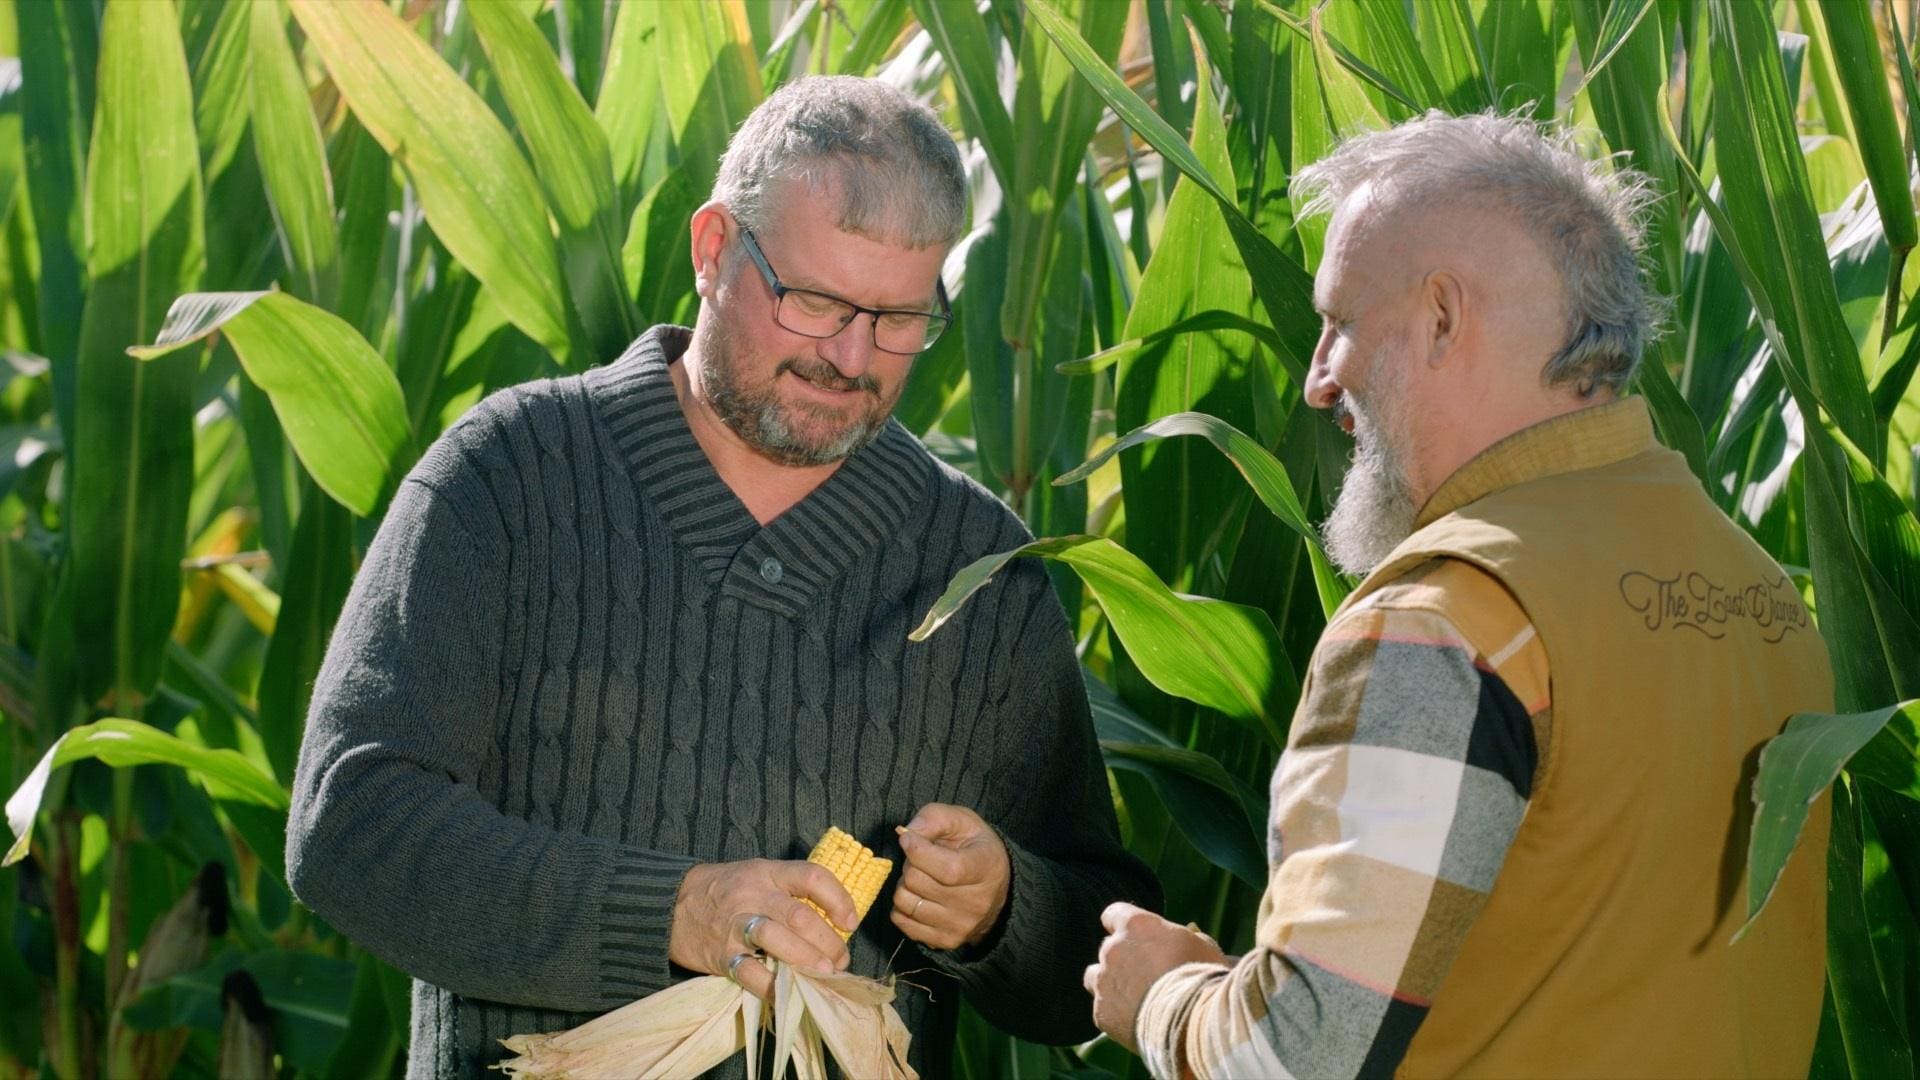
(851, 350)
(1321, 390)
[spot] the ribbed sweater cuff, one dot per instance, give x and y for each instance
(1032, 915)
(636, 920)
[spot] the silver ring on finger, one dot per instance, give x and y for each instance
(917, 901)
(753, 924)
(733, 966)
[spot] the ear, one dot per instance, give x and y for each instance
(1443, 303)
(711, 228)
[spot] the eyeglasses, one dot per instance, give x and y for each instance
(818, 315)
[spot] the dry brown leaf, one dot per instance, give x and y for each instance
(689, 1028)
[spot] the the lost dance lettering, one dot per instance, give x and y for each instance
(1693, 601)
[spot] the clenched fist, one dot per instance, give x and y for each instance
(717, 901)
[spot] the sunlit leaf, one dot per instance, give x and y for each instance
(1796, 768)
(1221, 655)
(475, 188)
(226, 774)
(338, 402)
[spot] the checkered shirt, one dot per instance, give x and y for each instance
(1406, 775)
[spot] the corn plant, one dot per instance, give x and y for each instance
(256, 254)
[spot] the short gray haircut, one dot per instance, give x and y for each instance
(1586, 215)
(886, 158)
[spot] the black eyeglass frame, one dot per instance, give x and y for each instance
(940, 321)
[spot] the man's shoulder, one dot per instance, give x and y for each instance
(484, 436)
(1445, 597)
(988, 524)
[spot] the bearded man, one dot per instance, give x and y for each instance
(1509, 825)
(629, 642)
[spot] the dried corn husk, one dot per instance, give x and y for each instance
(689, 1028)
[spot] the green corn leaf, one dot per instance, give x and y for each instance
(877, 33)
(628, 106)
(1172, 64)
(708, 81)
(1874, 1035)
(1517, 38)
(338, 402)
(319, 570)
(1349, 106)
(58, 58)
(778, 59)
(1174, 491)
(582, 42)
(1888, 830)
(132, 453)
(656, 253)
(961, 36)
(1201, 798)
(1447, 34)
(286, 140)
(1770, 206)
(1261, 470)
(990, 358)
(365, 195)
(226, 774)
(1054, 116)
(1220, 655)
(1199, 322)
(1626, 93)
(475, 188)
(1856, 56)
(1622, 19)
(1386, 39)
(220, 90)
(1284, 289)
(1386, 97)
(575, 167)
(1797, 767)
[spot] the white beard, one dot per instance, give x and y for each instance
(1375, 510)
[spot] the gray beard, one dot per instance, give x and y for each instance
(1375, 510)
(757, 415)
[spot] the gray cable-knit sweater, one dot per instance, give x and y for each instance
(573, 665)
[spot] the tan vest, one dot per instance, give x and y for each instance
(1676, 647)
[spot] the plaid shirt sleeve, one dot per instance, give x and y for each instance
(1405, 777)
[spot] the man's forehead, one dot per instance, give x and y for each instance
(821, 256)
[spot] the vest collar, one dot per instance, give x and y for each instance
(1587, 439)
(783, 565)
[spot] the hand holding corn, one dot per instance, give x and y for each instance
(956, 879)
(717, 900)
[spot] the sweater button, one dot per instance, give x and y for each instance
(771, 571)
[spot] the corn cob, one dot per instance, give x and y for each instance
(857, 868)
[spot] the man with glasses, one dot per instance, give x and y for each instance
(628, 643)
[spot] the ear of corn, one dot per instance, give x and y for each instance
(856, 867)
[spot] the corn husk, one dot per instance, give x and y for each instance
(689, 1028)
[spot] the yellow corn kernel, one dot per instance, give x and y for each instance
(855, 866)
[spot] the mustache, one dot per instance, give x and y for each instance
(821, 373)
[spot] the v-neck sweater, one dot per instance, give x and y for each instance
(573, 665)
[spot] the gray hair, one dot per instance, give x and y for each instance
(1586, 215)
(888, 160)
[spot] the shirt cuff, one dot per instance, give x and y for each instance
(636, 922)
(1160, 1029)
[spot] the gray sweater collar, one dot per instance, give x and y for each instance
(782, 566)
